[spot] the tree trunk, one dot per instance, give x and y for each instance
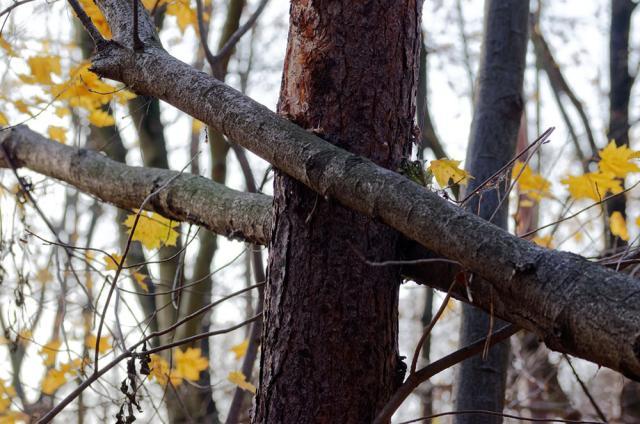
(330, 349)
(619, 93)
(498, 109)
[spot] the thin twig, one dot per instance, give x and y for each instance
(425, 373)
(87, 23)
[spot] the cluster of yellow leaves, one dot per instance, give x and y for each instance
(240, 380)
(530, 183)
(49, 352)
(90, 342)
(184, 12)
(447, 171)
(58, 377)
(153, 230)
(615, 164)
(188, 365)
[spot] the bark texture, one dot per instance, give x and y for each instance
(575, 305)
(498, 107)
(330, 330)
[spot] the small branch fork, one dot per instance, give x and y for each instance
(214, 60)
(425, 373)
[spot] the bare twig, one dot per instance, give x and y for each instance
(425, 373)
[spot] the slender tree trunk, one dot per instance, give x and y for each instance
(330, 351)
(498, 109)
(619, 92)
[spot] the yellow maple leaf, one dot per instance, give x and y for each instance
(616, 160)
(3, 119)
(240, 349)
(161, 372)
(594, 185)
(544, 241)
(153, 230)
(239, 379)
(190, 362)
(112, 262)
(100, 118)
(53, 380)
(447, 169)
(43, 66)
(58, 134)
(7, 393)
(184, 13)
(618, 226)
(141, 279)
(22, 106)
(49, 352)
(531, 183)
(97, 17)
(90, 342)
(61, 112)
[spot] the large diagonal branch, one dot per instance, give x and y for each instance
(229, 212)
(576, 306)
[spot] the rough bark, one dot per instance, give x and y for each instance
(498, 107)
(330, 349)
(575, 305)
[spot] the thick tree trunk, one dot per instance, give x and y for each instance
(498, 109)
(330, 338)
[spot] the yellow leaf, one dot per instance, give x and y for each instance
(189, 363)
(100, 118)
(184, 13)
(58, 134)
(447, 169)
(196, 125)
(615, 160)
(531, 183)
(90, 342)
(3, 119)
(153, 230)
(49, 352)
(141, 279)
(7, 393)
(7, 47)
(161, 372)
(240, 349)
(594, 186)
(44, 276)
(61, 112)
(43, 66)
(22, 106)
(113, 261)
(53, 381)
(97, 17)
(239, 379)
(544, 241)
(618, 226)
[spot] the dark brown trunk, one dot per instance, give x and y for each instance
(330, 338)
